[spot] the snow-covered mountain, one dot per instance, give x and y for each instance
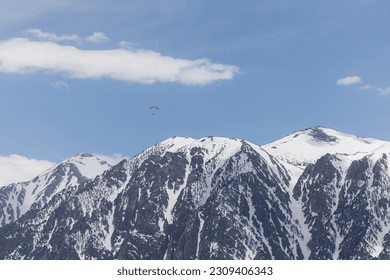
(176, 200)
(315, 194)
(346, 206)
(17, 198)
(306, 146)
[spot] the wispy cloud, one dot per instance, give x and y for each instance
(349, 80)
(60, 85)
(97, 37)
(22, 55)
(384, 91)
(126, 45)
(366, 87)
(46, 36)
(26, 9)
(16, 168)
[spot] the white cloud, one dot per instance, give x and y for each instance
(97, 37)
(16, 168)
(39, 34)
(384, 91)
(366, 87)
(349, 80)
(21, 55)
(126, 45)
(60, 85)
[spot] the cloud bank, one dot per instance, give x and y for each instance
(22, 55)
(16, 168)
(349, 80)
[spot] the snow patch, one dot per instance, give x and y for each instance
(201, 223)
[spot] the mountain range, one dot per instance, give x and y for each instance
(314, 194)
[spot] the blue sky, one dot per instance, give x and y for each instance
(81, 77)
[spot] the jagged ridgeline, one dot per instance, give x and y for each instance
(314, 194)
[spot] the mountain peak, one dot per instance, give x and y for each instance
(34, 193)
(176, 143)
(319, 134)
(84, 155)
(305, 146)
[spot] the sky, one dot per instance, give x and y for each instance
(81, 76)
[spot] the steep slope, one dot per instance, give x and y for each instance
(16, 199)
(325, 158)
(325, 195)
(345, 200)
(212, 198)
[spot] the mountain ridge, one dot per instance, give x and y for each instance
(220, 198)
(17, 198)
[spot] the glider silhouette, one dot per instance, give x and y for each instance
(154, 108)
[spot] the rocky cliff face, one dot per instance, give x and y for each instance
(16, 199)
(219, 198)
